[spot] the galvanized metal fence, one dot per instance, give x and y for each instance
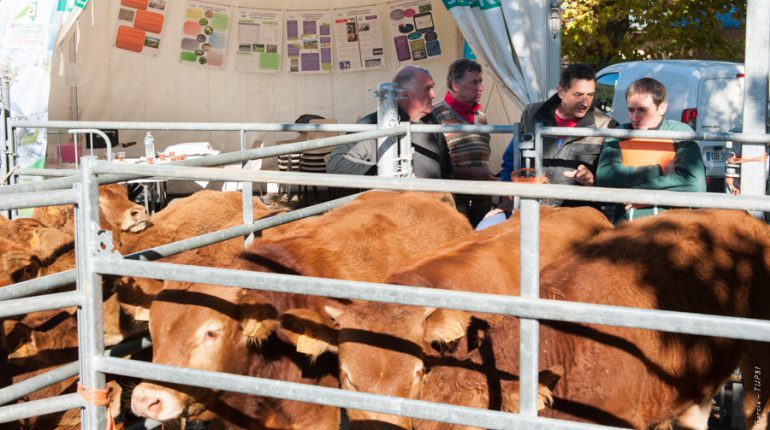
(94, 260)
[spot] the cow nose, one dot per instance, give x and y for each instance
(157, 403)
(135, 220)
(146, 404)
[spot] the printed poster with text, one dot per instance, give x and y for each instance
(415, 34)
(259, 40)
(140, 24)
(358, 39)
(204, 34)
(309, 41)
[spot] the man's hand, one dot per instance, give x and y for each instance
(581, 175)
(670, 168)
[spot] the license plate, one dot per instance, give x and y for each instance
(716, 156)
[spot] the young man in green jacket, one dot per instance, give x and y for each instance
(646, 100)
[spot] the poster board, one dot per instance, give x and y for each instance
(359, 44)
(204, 34)
(414, 31)
(140, 26)
(259, 36)
(309, 41)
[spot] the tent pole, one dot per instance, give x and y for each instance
(73, 85)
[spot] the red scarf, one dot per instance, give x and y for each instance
(465, 110)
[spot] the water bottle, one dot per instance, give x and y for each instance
(149, 147)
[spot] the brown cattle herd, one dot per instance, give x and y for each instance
(704, 261)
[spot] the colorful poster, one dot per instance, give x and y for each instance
(259, 39)
(415, 34)
(140, 25)
(204, 34)
(358, 39)
(309, 41)
(27, 35)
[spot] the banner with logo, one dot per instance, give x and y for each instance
(28, 29)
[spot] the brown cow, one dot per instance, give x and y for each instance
(383, 348)
(203, 212)
(366, 240)
(116, 212)
(706, 261)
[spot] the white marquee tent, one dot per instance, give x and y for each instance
(112, 84)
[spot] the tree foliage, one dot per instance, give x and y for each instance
(608, 31)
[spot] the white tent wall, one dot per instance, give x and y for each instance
(118, 85)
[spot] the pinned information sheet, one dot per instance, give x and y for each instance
(358, 38)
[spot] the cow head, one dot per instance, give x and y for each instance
(203, 327)
(17, 264)
(380, 347)
(121, 212)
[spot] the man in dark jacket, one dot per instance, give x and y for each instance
(566, 160)
(431, 155)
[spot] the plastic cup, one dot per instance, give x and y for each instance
(121, 155)
(150, 160)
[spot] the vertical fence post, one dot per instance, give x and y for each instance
(753, 179)
(5, 108)
(90, 313)
(387, 117)
(246, 193)
(517, 158)
(530, 289)
(538, 150)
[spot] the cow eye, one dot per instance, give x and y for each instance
(212, 335)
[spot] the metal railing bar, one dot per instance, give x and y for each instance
(47, 172)
(37, 285)
(547, 191)
(541, 309)
(241, 230)
(213, 160)
(40, 407)
(40, 303)
(36, 199)
(38, 382)
(333, 396)
(258, 127)
(675, 135)
(187, 126)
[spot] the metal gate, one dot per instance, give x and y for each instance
(94, 260)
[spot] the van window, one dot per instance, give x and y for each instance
(605, 90)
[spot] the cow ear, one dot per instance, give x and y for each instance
(258, 317)
(445, 326)
(311, 333)
(547, 380)
(28, 348)
(21, 265)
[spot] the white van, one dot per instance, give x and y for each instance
(707, 95)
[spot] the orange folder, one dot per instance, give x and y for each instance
(646, 152)
(150, 21)
(130, 39)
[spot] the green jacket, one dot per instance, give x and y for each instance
(689, 172)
